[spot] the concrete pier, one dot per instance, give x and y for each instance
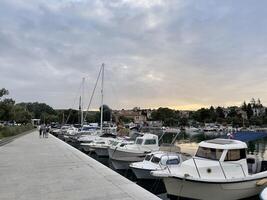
(34, 168)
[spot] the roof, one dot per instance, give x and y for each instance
(220, 143)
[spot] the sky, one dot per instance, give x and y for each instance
(181, 54)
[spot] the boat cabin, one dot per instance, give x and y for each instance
(224, 158)
(164, 158)
(147, 140)
(222, 150)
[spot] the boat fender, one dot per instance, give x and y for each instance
(262, 182)
(186, 175)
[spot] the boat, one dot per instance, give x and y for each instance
(192, 130)
(100, 144)
(122, 156)
(219, 170)
(158, 160)
(70, 132)
(263, 194)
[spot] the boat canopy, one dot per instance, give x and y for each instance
(226, 144)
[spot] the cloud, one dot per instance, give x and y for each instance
(177, 53)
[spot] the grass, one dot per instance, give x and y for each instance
(14, 130)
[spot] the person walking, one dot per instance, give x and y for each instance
(42, 129)
(47, 129)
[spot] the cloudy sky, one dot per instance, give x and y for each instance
(178, 53)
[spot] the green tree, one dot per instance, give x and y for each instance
(21, 115)
(3, 92)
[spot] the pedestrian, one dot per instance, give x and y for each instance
(40, 131)
(47, 129)
(44, 131)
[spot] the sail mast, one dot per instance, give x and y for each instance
(82, 120)
(102, 98)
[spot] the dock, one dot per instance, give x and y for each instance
(47, 168)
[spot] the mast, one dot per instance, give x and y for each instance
(102, 98)
(82, 120)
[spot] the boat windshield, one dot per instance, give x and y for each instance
(155, 159)
(88, 128)
(235, 154)
(150, 141)
(148, 157)
(139, 141)
(209, 153)
(174, 161)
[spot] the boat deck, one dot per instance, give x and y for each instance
(46, 168)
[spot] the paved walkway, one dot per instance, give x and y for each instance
(34, 169)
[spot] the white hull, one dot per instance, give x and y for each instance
(143, 173)
(208, 190)
(121, 160)
(102, 152)
(120, 165)
(126, 156)
(86, 148)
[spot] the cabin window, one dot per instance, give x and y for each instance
(150, 141)
(155, 159)
(148, 157)
(209, 153)
(174, 161)
(235, 154)
(139, 141)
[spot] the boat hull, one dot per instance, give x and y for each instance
(207, 190)
(121, 160)
(86, 148)
(142, 173)
(120, 165)
(101, 152)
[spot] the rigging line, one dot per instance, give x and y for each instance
(91, 98)
(75, 98)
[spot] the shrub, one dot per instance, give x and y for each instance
(8, 131)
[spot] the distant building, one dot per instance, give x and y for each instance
(137, 115)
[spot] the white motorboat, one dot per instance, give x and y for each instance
(100, 146)
(122, 156)
(84, 140)
(71, 131)
(63, 130)
(89, 143)
(192, 130)
(263, 194)
(219, 170)
(158, 160)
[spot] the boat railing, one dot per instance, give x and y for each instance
(221, 167)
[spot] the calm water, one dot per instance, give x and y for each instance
(257, 147)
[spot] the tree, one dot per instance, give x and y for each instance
(3, 92)
(6, 106)
(21, 115)
(249, 111)
(106, 113)
(168, 116)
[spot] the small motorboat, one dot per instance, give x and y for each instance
(122, 156)
(158, 160)
(263, 194)
(219, 170)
